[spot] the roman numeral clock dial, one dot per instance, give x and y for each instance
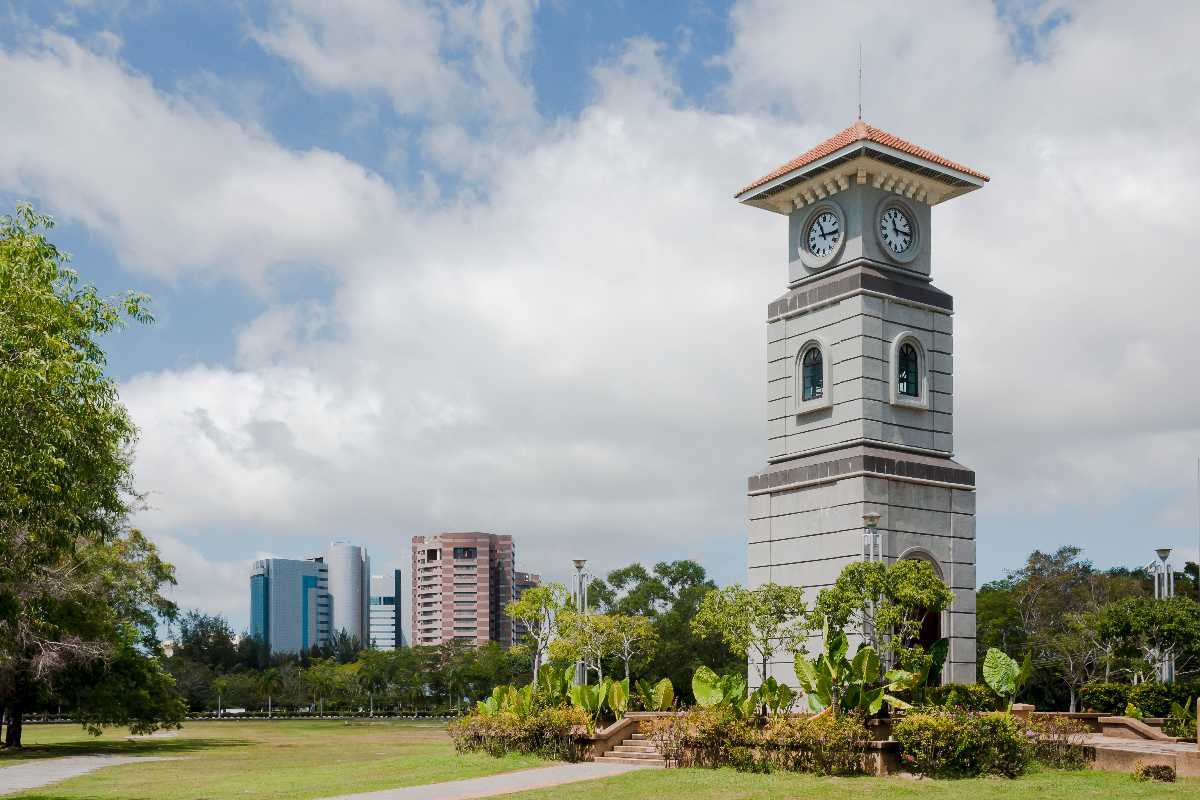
(824, 234)
(896, 230)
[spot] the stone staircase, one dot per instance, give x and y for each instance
(637, 749)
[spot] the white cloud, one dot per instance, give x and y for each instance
(215, 586)
(173, 187)
(431, 59)
(574, 351)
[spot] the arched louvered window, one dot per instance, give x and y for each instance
(812, 374)
(908, 380)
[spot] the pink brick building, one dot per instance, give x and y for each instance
(461, 583)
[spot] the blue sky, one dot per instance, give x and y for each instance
(421, 266)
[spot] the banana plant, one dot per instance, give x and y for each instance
(926, 670)
(497, 702)
(833, 681)
(712, 690)
(554, 684)
(1003, 676)
(725, 691)
(656, 697)
(520, 701)
(590, 699)
(777, 698)
(618, 697)
(1182, 720)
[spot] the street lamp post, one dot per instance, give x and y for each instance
(872, 551)
(1164, 589)
(872, 542)
(581, 607)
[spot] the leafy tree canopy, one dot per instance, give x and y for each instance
(79, 590)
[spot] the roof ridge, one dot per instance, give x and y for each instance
(860, 131)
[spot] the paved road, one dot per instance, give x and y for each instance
(504, 783)
(42, 771)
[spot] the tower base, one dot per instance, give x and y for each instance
(806, 525)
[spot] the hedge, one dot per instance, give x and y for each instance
(1153, 698)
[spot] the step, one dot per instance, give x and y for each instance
(656, 762)
(625, 752)
(640, 737)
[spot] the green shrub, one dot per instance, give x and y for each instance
(827, 744)
(1154, 699)
(711, 734)
(546, 732)
(967, 696)
(1058, 741)
(1107, 698)
(1164, 773)
(1181, 721)
(931, 740)
(668, 734)
(943, 742)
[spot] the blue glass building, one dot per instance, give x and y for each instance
(289, 603)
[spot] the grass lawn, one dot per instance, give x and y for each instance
(287, 759)
(726, 784)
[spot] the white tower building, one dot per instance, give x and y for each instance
(350, 590)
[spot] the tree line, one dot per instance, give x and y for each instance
(1083, 626)
(639, 626)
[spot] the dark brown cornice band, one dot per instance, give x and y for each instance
(861, 459)
(856, 279)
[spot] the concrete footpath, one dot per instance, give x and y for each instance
(43, 771)
(504, 783)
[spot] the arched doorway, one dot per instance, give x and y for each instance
(932, 626)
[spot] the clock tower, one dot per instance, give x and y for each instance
(860, 365)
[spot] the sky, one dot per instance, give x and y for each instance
(423, 266)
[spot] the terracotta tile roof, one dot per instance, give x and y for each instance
(857, 132)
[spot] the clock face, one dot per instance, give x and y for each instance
(824, 234)
(896, 230)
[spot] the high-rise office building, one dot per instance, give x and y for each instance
(386, 633)
(289, 603)
(461, 583)
(350, 590)
(523, 582)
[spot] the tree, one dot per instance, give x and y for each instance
(93, 612)
(669, 596)
(1149, 631)
(207, 639)
(756, 622)
(343, 646)
(633, 635)
(65, 479)
(538, 610)
(220, 686)
(321, 679)
(887, 602)
(584, 637)
(997, 620)
(373, 675)
(1054, 595)
(269, 681)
